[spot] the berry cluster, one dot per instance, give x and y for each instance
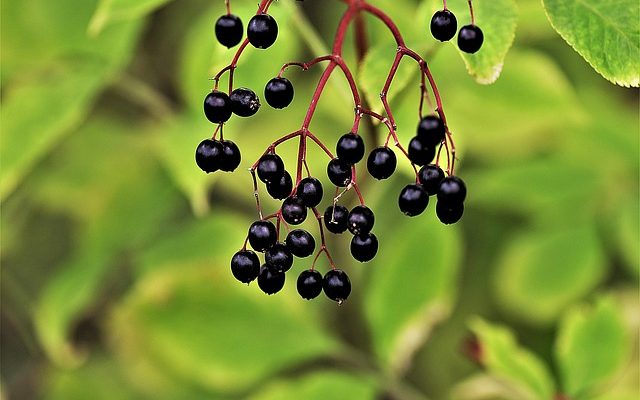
(302, 195)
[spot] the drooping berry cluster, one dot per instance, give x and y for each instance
(303, 194)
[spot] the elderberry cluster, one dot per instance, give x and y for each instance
(444, 26)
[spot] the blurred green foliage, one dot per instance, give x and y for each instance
(115, 247)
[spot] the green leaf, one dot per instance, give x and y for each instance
(323, 385)
(110, 11)
(505, 359)
(605, 33)
(497, 19)
(543, 271)
(625, 229)
(591, 346)
(487, 387)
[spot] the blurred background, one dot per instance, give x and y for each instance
(116, 247)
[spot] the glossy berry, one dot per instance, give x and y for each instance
(281, 188)
(278, 92)
(360, 220)
(364, 247)
(430, 177)
(444, 25)
(310, 191)
(217, 107)
(230, 158)
(336, 285)
(452, 190)
(270, 280)
(339, 172)
(300, 243)
(262, 235)
(449, 213)
(244, 102)
(381, 163)
(420, 152)
(413, 200)
(279, 257)
(270, 168)
(431, 130)
(209, 154)
(470, 39)
(245, 266)
(229, 30)
(309, 284)
(350, 148)
(335, 218)
(294, 211)
(262, 31)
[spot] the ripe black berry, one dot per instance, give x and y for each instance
(364, 247)
(335, 218)
(262, 31)
(279, 257)
(310, 191)
(360, 220)
(449, 213)
(339, 172)
(381, 163)
(262, 235)
(270, 280)
(431, 130)
(217, 107)
(350, 148)
(430, 177)
(270, 168)
(278, 92)
(336, 285)
(309, 284)
(300, 243)
(444, 25)
(452, 190)
(244, 102)
(245, 266)
(420, 152)
(230, 158)
(293, 210)
(281, 188)
(413, 200)
(229, 30)
(209, 154)
(470, 38)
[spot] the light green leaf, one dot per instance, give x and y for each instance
(543, 271)
(591, 346)
(110, 11)
(605, 33)
(488, 387)
(625, 229)
(505, 359)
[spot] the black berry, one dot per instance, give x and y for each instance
(309, 284)
(444, 25)
(431, 130)
(335, 218)
(281, 188)
(270, 168)
(300, 243)
(270, 280)
(413, 200)
(245, 266)
(364, 247)
(244, 102)
(339, 172)
(336, 285)
(262, 235)
(230, 158)
(452, 190)
(217, 107)
(209, 154)
(350, 148)
(278, 92)
(449, 213)
(262, 31)
(420, 152)
(229, 30)
(381, 163)
(310, 191)
(360, 220)
(470, 39)
(279, 257)
(430, 177)
(294, 210)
